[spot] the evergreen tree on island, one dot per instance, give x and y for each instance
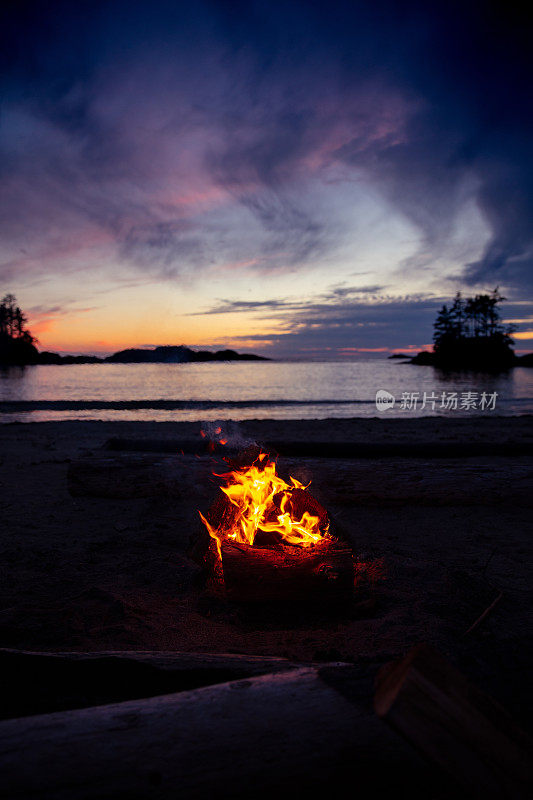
(17, 345)
(469, 334)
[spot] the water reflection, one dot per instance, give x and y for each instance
(322, 389)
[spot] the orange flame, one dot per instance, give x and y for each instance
(262, 502)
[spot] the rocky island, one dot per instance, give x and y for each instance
(469, 335)
(167, 354)
(177, 355)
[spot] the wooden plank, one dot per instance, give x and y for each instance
(457, 727)
(45, 682)
(170, 660)
(287, 733)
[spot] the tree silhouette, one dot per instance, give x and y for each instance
(17, 345)
(13, 321)
(472, 329)
(444, 326)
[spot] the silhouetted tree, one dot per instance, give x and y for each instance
(472, 330)
(444, 326)
(17, 345)
(12, 320)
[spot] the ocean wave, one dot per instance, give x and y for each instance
(13, 406)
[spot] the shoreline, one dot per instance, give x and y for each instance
(365, 430)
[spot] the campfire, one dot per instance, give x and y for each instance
(271, 539)
(267, 509)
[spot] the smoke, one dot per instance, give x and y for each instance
(224, 434)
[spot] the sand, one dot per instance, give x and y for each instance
(96, 574)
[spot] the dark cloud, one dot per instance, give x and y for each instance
(346, 291)
(468, 135)
(170, 137)
(346, 327)
(333, 297)
(237, 306)
(162, 245)
(342, 320)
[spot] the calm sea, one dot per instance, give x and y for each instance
(248, 390)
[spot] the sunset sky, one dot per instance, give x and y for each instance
(294, 179)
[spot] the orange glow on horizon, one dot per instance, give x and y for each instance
(91, 331)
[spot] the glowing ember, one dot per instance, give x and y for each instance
(261, 501)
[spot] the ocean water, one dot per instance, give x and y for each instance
(255, 390)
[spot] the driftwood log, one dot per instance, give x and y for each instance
(391, 483)
(319, 575)
(338, 450)
(133, 475)
(457, 727)
(45, 682)
(276, 735)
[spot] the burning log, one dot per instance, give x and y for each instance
(290, 732)
(455, 726)
(323, 574)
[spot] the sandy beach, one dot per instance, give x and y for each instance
(441, 539)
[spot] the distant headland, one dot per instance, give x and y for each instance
(158, 355)
(18, 347)
(166, 354)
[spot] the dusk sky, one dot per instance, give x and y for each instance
(294, 179)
